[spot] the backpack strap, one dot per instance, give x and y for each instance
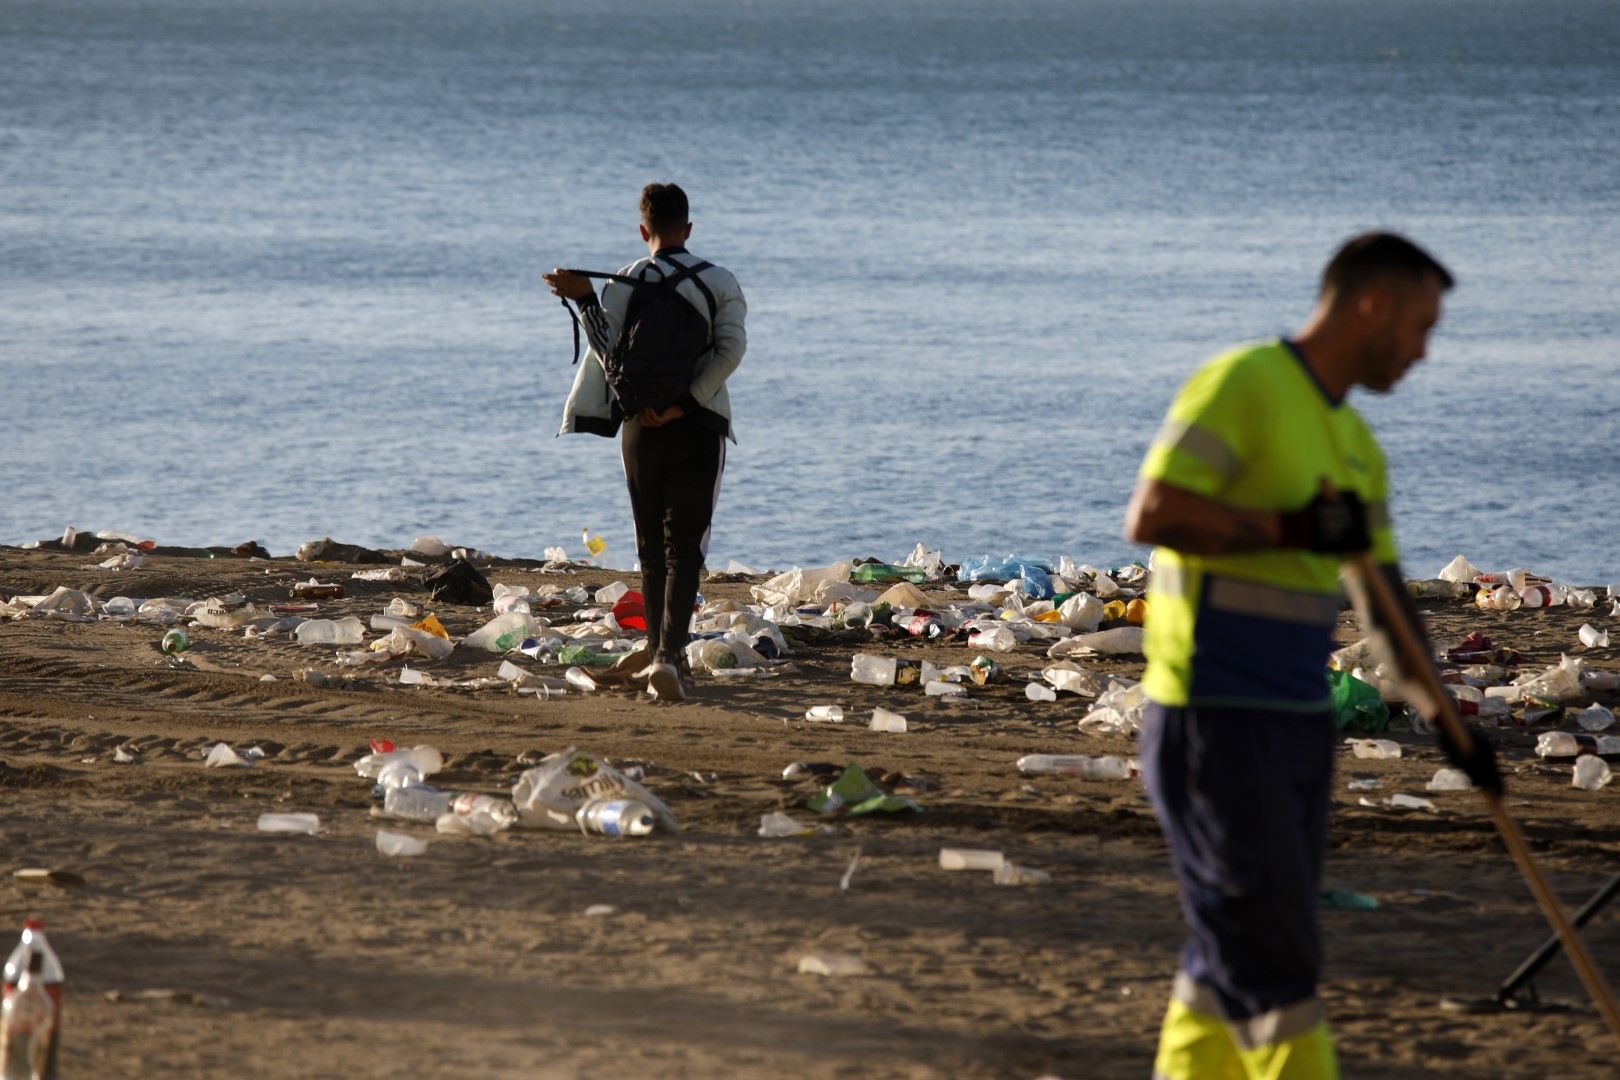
(667, 281)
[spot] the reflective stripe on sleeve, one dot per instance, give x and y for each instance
(1200, 443)
(1271, 602)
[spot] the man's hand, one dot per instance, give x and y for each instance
(651, 418)
(1479, 763)
(1334, 523)
(568, 285)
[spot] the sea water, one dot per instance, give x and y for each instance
(271, 270)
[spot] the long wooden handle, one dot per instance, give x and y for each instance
(1418, 665)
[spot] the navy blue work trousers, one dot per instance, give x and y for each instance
(1242, 796)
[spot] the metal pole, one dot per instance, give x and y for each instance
(1549, 948)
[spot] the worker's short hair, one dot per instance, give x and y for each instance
(663, 207)
(1379, 256)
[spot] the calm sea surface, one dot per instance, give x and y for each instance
(269, 269)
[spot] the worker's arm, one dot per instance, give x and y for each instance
(1168, 516)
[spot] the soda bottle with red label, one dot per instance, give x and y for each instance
(49, 976)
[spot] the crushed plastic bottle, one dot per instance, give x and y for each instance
(827, 714)
(1107, 767)
(416, 803)
(346, 631)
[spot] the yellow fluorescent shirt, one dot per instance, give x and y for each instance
(1253, 428)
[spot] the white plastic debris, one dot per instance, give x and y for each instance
(1591, 773)
(1375, 748)
(827, 714)
(970, 859)
(307, 824)
(890, 722)
(1459, 570)
(1449, 780)
(1593, 638)
(1594, 718)
(1120, 641)
(776, 825)
(1410, 802)
(833, 965)
(398, 845)
(222, 756)
(1039, 692)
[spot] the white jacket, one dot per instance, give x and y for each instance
(590, 406)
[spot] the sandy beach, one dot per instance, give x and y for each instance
(198, 946)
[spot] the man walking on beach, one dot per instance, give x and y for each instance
(673, 455)
(1259, 483)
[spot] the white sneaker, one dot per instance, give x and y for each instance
(664, 683)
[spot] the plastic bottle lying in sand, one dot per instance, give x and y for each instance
(1108, 767)
(345, 631)
(889, 671)
(50, 978)
(616, 817)
(921, 624)
(422, 804)
(1542, 595)
(176, 641)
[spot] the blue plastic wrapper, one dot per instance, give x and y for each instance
(1035, 573)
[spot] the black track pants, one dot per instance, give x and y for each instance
(674, 477)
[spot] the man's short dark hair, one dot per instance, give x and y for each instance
(663, 207)
(1374, 256)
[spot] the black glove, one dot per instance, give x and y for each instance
(1333, 523)
(1479, 763)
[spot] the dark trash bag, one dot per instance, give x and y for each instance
(460, 582)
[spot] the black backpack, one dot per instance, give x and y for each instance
(664, 336)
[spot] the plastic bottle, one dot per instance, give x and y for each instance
(27, 1027)
(426, 759)
(873, 670)
(52, 980)
(497, 809)
(1084, 766)
(921, 624)
(345, 631)
(616, 817)
(176, 641)
(423, 804)
(1039, 692)
(828, 714)
(1542, 595)
(399, 774)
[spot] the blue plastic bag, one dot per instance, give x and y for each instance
(1035, 573)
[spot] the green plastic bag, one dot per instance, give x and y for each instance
(1356, 705)
(855, 794)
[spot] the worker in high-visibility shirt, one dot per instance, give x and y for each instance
(1261, 480)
